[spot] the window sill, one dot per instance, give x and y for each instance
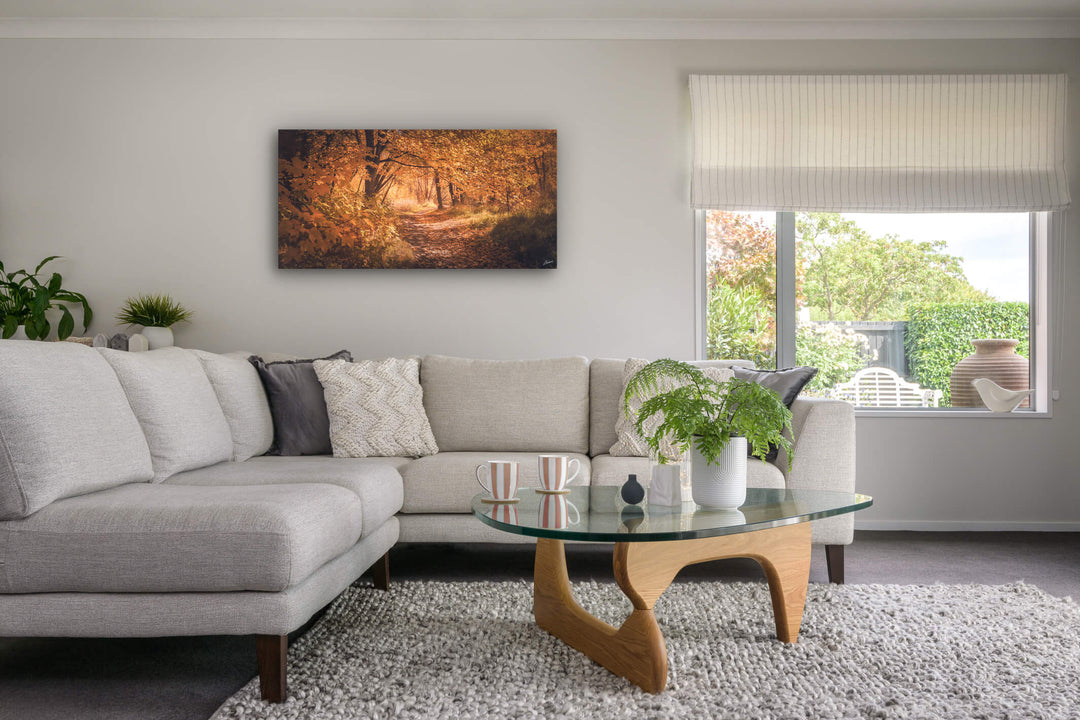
(951, 414)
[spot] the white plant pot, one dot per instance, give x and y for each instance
(722, 485)
(158, 337)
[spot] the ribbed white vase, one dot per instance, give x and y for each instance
(158, 337)
(722, 485)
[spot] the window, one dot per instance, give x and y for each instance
(905, 293)
(838, 273)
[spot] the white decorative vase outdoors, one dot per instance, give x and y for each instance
(158, 337)
(722, 485)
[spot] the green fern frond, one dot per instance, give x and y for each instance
(693, 408)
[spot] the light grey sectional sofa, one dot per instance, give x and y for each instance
(132, 503)
(135, 499)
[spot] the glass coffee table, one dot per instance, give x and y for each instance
(652, 543)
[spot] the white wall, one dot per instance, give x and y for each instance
(150, 165)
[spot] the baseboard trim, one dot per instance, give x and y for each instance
(967, 526)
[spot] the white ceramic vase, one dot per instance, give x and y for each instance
(158, 337)
(722, 485)
(20, 333)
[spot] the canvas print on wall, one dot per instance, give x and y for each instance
(416, 199)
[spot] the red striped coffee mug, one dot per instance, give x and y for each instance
(555, 472)
(499, 478)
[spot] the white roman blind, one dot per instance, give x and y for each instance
(879, 143)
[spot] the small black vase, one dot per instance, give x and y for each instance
(632, 492)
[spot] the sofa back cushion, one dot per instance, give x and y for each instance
(605, 395)
(65, 427)
(605, 389)
(243, 401)
(507, 405)
(176, 407)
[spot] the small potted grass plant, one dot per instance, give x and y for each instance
(157, 314)
(714, 421)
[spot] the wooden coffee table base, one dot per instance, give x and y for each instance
(643, 570)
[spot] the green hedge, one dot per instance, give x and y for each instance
(939, 335)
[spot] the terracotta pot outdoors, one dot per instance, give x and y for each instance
(995, 359)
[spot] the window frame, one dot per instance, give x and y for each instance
(1044, 241)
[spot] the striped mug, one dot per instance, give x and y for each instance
(555, 472)
(499, 478)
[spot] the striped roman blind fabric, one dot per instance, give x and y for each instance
(879, 143)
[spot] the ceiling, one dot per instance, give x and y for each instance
(547, 9)
(542, 19)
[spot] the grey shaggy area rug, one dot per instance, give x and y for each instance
(471, 650)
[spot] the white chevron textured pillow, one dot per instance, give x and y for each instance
(376, 408)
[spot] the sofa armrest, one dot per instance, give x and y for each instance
(824, 440)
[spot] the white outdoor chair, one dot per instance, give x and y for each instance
(882, 387)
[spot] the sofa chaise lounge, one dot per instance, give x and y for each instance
(136, 498)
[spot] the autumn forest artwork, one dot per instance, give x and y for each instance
(417, 199)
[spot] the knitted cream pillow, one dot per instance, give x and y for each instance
(629, 443)
(376, 408)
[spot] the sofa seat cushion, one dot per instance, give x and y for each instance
(375, 481)
(610, 470)
(177, 538)
(66, 427)
(177, 408)
(511, 405)
(446, 483)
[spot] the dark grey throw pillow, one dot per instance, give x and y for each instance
(786, 383)
(301, 421)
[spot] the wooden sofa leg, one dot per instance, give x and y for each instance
(834, 558)
(381, 572)
(270, 652)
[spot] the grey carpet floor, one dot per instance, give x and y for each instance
(471, 651)
(188, 678)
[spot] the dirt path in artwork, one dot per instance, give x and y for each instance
(444, 241)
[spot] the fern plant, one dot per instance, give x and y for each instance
(152, 311)
(694, 409)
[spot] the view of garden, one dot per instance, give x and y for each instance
(861, 298)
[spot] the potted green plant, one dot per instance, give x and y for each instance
(157, 314)
(26, 299)
(714, 421)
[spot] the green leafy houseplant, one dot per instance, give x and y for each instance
(703, 412)
(152, 311)
(25, 300)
